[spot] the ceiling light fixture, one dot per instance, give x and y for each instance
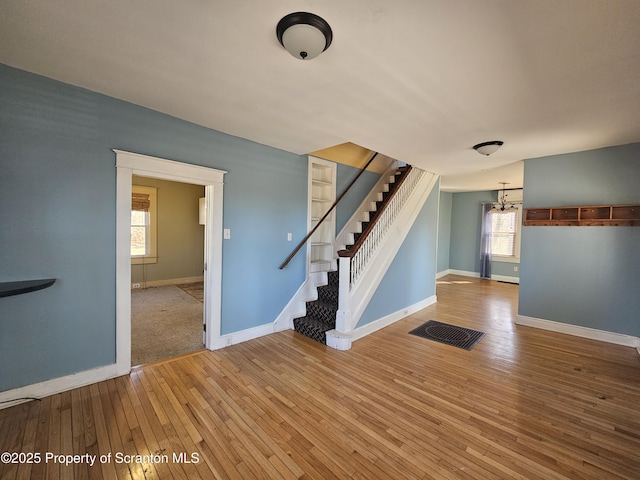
(487, 148)
(304, 35)
(501, 205)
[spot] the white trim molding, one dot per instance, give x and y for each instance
(342, 341)
(464, 273)
(297, 306)
(243, 336)
(387, 320)
(57, 385)
(505, 278)
(354, 297)
(127, 165)
(170, 281)
(579, 331)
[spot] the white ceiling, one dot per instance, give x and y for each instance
(421, 81)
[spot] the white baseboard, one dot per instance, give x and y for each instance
(387, 320)
(243, 336)
(57, 385)
(464, 273)
(504, 278)
(171, 281)
(578, 331)
(443, 273)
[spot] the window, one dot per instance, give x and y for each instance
(505, 233)
(143, 224)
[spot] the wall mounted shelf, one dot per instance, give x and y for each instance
(583, 216)
(7, 289)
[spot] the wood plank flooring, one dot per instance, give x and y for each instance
(523, 404)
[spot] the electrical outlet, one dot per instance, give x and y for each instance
(289, 237)
(515, 269)
(135, 285)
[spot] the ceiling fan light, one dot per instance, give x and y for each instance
(487, 148)
(304, 35)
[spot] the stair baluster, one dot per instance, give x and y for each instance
(321, 314)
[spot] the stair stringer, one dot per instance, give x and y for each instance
(354, 299)
(297, 306)
(361, 214)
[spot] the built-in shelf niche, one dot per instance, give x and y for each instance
(599, 216)
(322, 195)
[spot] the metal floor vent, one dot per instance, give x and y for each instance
(453, 335)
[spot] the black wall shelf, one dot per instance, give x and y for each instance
(7, 289)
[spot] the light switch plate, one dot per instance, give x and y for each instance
(227, 233)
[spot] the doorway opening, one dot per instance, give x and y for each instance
(127, 165)
(167, 269)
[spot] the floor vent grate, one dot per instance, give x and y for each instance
(453, 335)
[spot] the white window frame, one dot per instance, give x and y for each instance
(152, 255)
(516, 257)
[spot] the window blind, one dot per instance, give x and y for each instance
(503, 235)
(140, 202)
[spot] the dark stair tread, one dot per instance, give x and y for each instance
(322, 311)
(333, 278)
(328, 293)
(374, 213)
(312, 328)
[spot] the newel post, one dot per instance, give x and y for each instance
(343, 315)
(340, 338)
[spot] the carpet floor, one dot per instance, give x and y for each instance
(165, 321)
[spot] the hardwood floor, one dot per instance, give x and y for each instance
(195, 289)
(523, 404)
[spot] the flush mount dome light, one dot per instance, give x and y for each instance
(304, 35)
(487, 148)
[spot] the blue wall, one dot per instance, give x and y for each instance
(411, 277)
(464, 254)
(466, 210)
(57, 219)
(444, 231)
(586, 276)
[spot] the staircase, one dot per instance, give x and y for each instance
(321, 313)
(391, 186)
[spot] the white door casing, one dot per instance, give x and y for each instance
(127, 165)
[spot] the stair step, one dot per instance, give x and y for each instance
(312, 328)
(323, 311)
(328, 293)
(334, 277)
(392, 185)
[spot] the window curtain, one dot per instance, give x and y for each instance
(485, 241)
